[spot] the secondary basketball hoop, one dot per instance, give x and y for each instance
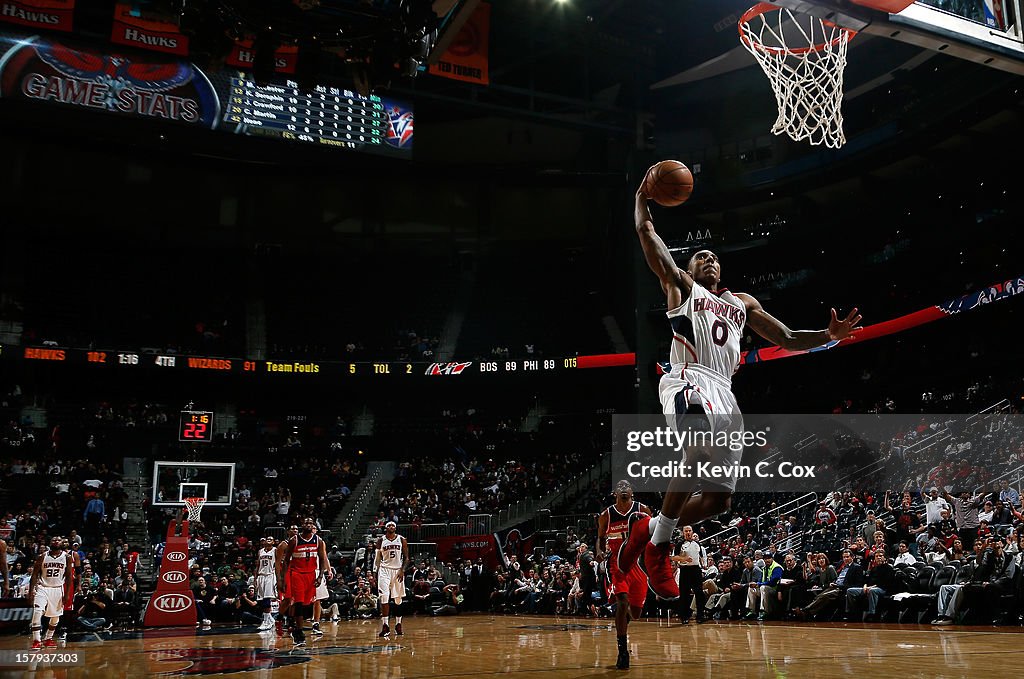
(194, 506)
(804, 58)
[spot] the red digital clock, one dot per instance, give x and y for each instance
(195, 426)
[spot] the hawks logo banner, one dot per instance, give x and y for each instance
(466, 58)
(146, 31)
(242, 55)
(515, 542)
(56, 15)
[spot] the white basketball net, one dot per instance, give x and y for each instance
(194, 506)
(804, 58)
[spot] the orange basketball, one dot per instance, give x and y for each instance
(669, 183)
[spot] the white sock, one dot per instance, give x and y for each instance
(398, 620)
(384, 620)
(35, 634)
(49, 632)
(663, 532)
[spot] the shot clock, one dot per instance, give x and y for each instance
(195, 426)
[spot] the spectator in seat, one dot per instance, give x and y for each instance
(792, 587)
(849, 574)
(984, 596)
(766, 589)
(881, 581)
(727, 603)
(126, 601)
(824, 516)
(205, 597)
(250, 609)
(420, 592)
(93, 608)
(365, 604)
(904, 556)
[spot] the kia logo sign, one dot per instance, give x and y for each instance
(172, 603)
(177, 556)
(174, 577)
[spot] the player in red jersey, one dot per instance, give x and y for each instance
(707, 322)
(305, 564)
(630, 589)
(284, 599)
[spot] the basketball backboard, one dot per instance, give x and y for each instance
(174, 481)
(988, 32)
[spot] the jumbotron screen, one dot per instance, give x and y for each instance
(60, 71)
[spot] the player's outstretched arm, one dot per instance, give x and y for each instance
(658, 257)
(37, 568)
(284, 557)
(602, 535)
(776, 332)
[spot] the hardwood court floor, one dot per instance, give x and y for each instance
(551, 648)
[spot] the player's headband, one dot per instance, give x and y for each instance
(390, 524)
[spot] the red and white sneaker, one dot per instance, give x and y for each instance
(36, 645)
(660, 575)
(49, 643)
(637, 537)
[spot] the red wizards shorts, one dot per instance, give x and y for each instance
(633, 584)
(301, 586)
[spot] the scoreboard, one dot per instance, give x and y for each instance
(128, 360)
(79, 76)
(328, 115)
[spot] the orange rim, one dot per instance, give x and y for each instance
(764, 7)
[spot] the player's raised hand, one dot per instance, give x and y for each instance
(841, 329)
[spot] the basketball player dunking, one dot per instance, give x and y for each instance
(392, 560)
(630, 589)
(51, 576)
(266, 581)
(305, 562)
(707, 321)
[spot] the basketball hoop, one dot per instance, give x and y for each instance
(194, 506)
(804, 58)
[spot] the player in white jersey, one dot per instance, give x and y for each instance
(51, 574)
(266, 580)
(390, 563)
(707, 321)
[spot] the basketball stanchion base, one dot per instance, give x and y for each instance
(172, 604)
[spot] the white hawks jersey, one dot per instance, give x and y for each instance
(54, 570)
(391, 552)
(267, 558)
(706, 330)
